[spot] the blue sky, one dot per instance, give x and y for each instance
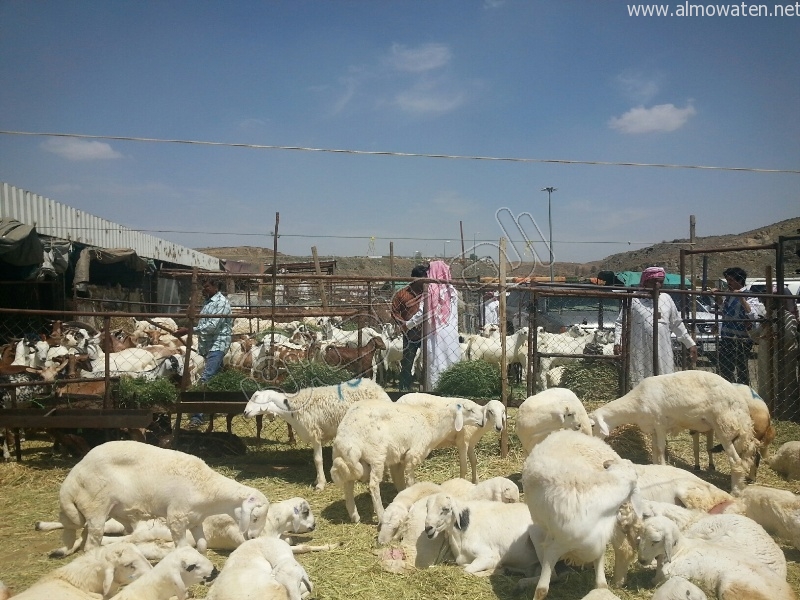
(579, 81)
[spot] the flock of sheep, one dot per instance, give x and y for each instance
(579, 496)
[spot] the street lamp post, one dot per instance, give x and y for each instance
(549, 191)
(475, 244)
(444, 249)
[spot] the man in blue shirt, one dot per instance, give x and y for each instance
(737, 314)
(213, 334)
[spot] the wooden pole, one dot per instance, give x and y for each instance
(323, 296)
(274, 278)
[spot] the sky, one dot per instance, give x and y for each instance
(415, 91)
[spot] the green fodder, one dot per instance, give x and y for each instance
(470, 379)
(592, 380)
(306, 374)
(134, 392)
(229, 380)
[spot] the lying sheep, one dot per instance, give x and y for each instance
(483, 535)
(260, 568)
(787, 460)
(131, 481)
(374, 435)
(695, 400)
(574, 486)
(101, 571)
(467, 439)
(548, 411)
(498, 489)
(679, 588)
(711, 565)
(315, 413)
(777, 511)
(177, 571)
(665, 483)
(733, 531)
(600, 594)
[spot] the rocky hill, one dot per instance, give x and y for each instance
(665, 254)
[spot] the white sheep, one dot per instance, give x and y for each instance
(314, 413)
(574, 486)
(695, 400)
(253, 569)
(777, 511)
(600, 593)
(762, 428)
(679, 588)
(548, 411)
(713, 566)
(131, 481)
(665, 483)
(498, 489)
(177, 571)
(374, 435)
(101, 571)
(467, 439)
(483, 535)
(786, 460)
(489, 349)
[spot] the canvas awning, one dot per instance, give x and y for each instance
(20, 244)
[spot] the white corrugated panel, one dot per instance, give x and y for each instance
(58, 220)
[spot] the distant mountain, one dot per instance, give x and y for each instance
(665, 254)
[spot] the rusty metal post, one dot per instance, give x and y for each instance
(504, 392)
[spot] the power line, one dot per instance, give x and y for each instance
(393, 153)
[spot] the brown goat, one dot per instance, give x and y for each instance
(356, 360)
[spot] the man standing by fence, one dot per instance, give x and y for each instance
(407, 314)
(738, 314)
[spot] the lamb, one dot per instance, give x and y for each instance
(762, 427)
(713, 566)
(260, 564)
(118, 479)
(787, 460)
(489, 349)
(732, 531)
(467, 439)
(101, 571)
(547, 411)
(777, 511)
(695, 400)
(177, 571)
(315, 413)
(678, 588)
(498, 489)
(374, 435)
(574, 486)
(483, 535)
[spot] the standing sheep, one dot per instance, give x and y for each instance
(466, 440)
(574, 486)
(548, 411)
(375, 435)
(131, 481)
(695, 400)
(101, 571)
(315, 413)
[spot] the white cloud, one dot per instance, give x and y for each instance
(490, 4)
(420, 59)
(660, 118)
(75, 149)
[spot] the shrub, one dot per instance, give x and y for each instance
(470, 379)
(134, 392)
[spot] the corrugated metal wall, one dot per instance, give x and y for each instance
(58, 220)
